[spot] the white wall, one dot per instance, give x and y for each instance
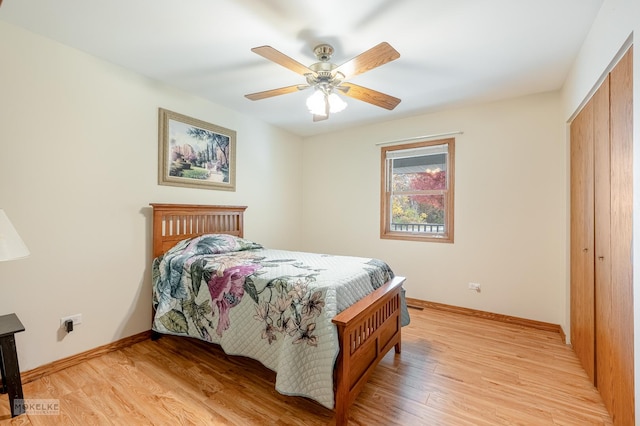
(617, 23)
(510, 206)
(78, 169)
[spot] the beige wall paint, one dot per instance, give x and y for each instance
(78, 168)
(510, 206)
(616, 26)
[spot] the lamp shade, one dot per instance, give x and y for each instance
(316, 103)
(11, 245)
(336, 103)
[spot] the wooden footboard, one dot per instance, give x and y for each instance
(367, 330)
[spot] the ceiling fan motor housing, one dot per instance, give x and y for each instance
(323, 70)
(323, 52)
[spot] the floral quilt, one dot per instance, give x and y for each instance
(274, 306)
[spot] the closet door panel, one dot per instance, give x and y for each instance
(582, 239)
(621, 363)
(603, 301)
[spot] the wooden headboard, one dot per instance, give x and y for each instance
(176, 222)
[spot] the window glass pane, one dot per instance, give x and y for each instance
(427, 180)
(418, 213)
(426, 172)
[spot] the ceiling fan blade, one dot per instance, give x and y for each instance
(280, 58)
(369, 95)
(366, 61)
(273, 92)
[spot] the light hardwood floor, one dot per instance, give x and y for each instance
(453, 370)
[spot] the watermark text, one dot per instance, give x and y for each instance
(37, 407)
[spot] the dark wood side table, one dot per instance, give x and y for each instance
(11, 382)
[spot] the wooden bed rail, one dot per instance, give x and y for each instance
(367, 330)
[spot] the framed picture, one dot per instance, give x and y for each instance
(195, 154)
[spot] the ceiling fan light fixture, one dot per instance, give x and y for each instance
(316, 103)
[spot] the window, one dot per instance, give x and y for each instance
(417, 191)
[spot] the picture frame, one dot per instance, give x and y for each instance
(196, 154)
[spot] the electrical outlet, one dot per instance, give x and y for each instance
(77, 320)
(475, 287)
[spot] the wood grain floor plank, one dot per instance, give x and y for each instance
(454, 370)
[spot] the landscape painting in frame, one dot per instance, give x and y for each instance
(194, 153)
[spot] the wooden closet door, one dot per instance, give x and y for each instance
(602, 199)
(618, 376)
(582, 239)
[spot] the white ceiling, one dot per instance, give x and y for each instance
(452, 52)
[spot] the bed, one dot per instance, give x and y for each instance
(270, 305)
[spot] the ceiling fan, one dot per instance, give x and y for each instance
(327, 78)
